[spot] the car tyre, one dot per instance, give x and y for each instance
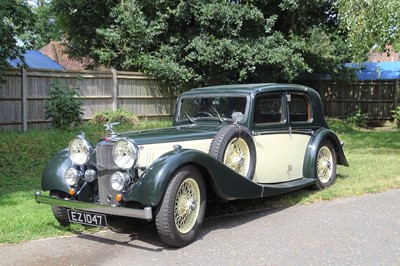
(60, 213)
(180, 214)
(234, 146)
(325, 165)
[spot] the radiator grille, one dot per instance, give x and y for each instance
(106, 167)
(106, 192)
(104, 156)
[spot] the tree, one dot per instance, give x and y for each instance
(45, 27)
(369, 24)
(197, 42)
(16, 20)
(79, 20)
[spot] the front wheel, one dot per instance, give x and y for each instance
(180, 214)
(60, 213)
(325, 165)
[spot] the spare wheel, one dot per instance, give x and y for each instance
(234, 146)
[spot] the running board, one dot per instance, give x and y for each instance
(279, 188)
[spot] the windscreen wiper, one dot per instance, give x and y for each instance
(191, 120)
(219, 116)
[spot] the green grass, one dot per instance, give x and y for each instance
(373, 157)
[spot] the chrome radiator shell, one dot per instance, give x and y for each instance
(104, 156)
(106, 166)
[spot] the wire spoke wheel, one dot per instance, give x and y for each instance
(325, 165)
(180, 214)
(237, 156)
(187, 205)
(233, 145)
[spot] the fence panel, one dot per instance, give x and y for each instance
(11, 101)
(23, 95)
(100, 91)
(376, 98)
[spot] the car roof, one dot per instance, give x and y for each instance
(247, 88)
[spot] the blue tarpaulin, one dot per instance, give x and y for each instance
(374, 70)
(35, 59)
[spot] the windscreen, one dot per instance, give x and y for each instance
(220, 107)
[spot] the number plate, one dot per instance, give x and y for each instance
(88, 218)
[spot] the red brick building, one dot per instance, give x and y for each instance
(56, 51)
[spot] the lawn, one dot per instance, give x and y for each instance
(373, 156)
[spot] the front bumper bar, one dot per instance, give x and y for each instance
(145, 213)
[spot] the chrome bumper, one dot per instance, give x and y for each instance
(145, 213)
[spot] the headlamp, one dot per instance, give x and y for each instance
(80, 150)
(125, 154)
(119, 180)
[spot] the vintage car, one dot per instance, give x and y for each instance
(227, 142)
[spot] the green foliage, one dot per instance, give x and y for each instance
(198, 43)
(16, 20)
(341, 126)
(64, 106)
(81, 19)
(396, 115)
(120, 115)
(369, 25)
(358, 119)
(45, 26)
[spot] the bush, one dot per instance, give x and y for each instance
(358, 119)
(340, 126)
(64, 106)
(120, 115)
(396, 115)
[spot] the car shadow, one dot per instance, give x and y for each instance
(139, 235)
(143, 235)
(219, 215)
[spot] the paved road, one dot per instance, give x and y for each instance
(362, 230)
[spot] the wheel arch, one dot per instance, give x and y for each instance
(53, 173)
(310, 156)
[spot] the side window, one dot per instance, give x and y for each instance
(268, 109)
(299, 108)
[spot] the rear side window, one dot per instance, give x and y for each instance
(299, 108)
(268, 109)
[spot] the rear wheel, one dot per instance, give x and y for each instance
(60, 213)
(325, 165)
(180, 214)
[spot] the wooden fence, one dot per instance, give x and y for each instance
(23, 95)
(343, 98)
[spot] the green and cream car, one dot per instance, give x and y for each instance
(229, 142)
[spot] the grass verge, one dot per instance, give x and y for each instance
(373, 157)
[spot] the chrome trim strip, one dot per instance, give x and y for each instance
(270, 132)
(306, 132)
(286, 131)
(145, 214)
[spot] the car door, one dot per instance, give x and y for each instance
(271, 137)
(299, 119)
